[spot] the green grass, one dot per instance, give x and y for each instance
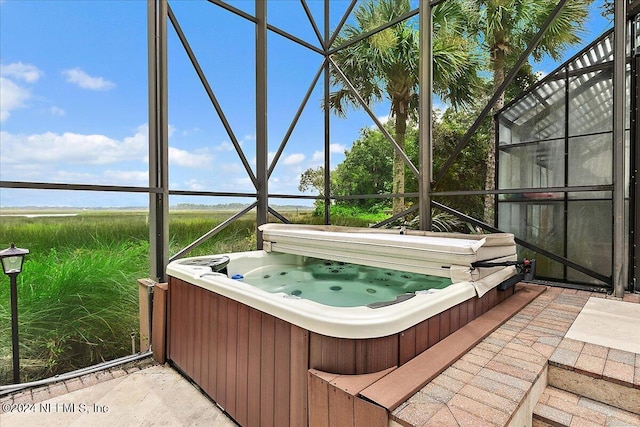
(78, 292)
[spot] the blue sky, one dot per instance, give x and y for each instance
(73, 98)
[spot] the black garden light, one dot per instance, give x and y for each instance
(12, 260)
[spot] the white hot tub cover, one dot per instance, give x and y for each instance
(440, 254)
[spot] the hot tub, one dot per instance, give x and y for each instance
(336, 299)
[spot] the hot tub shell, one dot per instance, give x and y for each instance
(250, 350)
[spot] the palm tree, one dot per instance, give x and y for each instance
(385, 65)
(509, 26)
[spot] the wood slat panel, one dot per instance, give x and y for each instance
(174, 326)
(344, 409)
(212, 366)
(434, 330)
(197, 333)
(282, 372)
(454, 318)
(331, 360)
(502, 295)
(253, 368)
(319, 396)
(170, 314)
(445, 324)
(471, 309)
(221, 351)
(340, 408)
(182, 325)
(347, 356)
(315, 351)
(160, 321)
(204, 337)
(298, 380)
(485, 304)
(190, 330)
(231, 356)
(464, 319)
(267, 367)
(242, 366)
(367, 414)
(382, 353)
(493, 297)
(361, 356)
(422, 336)
(407, 345)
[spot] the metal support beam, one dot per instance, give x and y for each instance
(620, 273)
(158, 139)
(634, 210)
(327, 118)
(262, 161)
(426, 117)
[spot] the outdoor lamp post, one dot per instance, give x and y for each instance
(12, 260)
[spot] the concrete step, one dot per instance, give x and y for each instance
(562, 408)
(602, 374)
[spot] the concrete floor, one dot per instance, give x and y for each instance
(153, 396)
(609, 323)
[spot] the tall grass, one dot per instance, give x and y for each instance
(78, 293)
(76, 307)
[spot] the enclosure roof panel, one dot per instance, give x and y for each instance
(538, 114)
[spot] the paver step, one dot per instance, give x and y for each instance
(562, 408)
(602, 374)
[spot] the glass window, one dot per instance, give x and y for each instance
(591, 160)
(591, 102)
(532, 165)
(590, 226)
(539, 223)
(537, 116)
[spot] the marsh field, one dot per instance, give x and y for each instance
(78, 291)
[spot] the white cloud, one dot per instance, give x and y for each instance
(238, 184)
(79, 77)
(71, 148)
(12, 97)
(224, 146)
(126, 177)
(194, 185)
(12, 94)
(293, 159)
(17, 70)
(184, 158)
(318, 156)
(228, 146)
(57, 111)
(231, 168)
(337, 148)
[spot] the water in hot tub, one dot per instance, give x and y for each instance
(341, 284)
